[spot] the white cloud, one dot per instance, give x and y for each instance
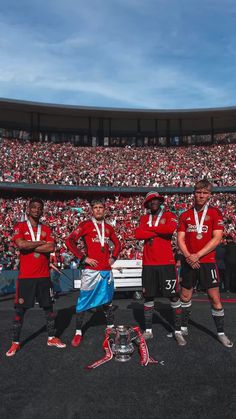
(162, 66)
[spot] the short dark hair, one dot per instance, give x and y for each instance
(36, 200)
(203, 184)
(98, 201)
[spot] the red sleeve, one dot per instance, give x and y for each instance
(72, 239)
(143, 232)
(182, 225)
(116, 243)
(166, 229)
(218, 223)
(18, 232)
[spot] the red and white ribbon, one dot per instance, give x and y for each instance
(145, 358)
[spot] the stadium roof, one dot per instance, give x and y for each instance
(34, 116)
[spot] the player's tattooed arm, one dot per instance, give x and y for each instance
(48, 247)
(28, 245)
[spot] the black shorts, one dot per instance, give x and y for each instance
(161, 280)
(207, 276)
(29, 290)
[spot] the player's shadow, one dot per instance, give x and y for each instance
(162, 315)
(95, 317)
(92, 318)
(33, 336)
(203, 329)
(63, 319)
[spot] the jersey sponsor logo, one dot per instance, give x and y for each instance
(173, 219)
(96, 240)
(188, 219)
(27, 233)
(193, 228)
(220, 223)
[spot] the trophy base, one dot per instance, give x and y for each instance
(122, 358)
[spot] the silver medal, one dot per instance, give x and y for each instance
(199, 225)
(199, 236)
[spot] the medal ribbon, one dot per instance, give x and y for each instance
(157, 220)
(100, 236)
(32, 231)
(108, 354)
(200, 225)
(145, 358)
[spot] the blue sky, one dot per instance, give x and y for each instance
(153, 54)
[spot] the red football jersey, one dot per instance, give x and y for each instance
(213, 221)
(157, 240)
(32, 264)
(87, 231)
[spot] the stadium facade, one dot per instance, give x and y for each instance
(111, 126)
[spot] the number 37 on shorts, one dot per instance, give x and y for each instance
(170, 287)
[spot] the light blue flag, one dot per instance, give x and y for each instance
(97, 288)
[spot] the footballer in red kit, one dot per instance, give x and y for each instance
(159, 275)
(200, 231)
(97, 284)
(35, 242)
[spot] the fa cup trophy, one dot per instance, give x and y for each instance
(122, 347)
(119, 343)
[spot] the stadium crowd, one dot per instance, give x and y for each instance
(51, 163)
(123, 212)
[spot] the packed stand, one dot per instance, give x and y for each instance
(50, 163)
(122, 212)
